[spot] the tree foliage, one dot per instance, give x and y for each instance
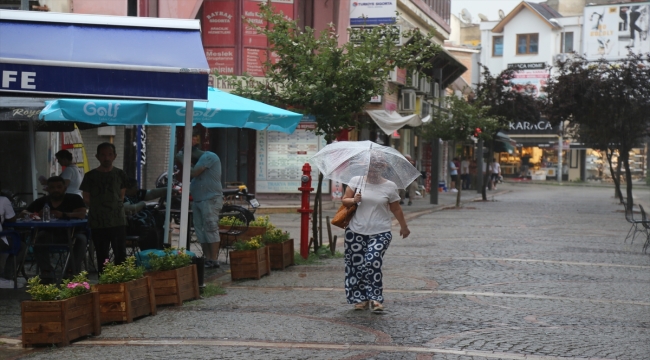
(316, 76)
(606, 104)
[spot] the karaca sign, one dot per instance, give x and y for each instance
(542, 127)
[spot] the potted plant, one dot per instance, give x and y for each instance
(250, 259)
(58, 315)
(280, 246)
(174, 277)
(255, 227)
(124, 292)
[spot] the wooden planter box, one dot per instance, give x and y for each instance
(281, 254)
(175, 286)
(61, 321)
(126, 301)
(250, 263)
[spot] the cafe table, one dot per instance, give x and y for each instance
(36, 225)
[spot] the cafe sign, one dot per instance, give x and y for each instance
(527, 127)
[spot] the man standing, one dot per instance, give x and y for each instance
(525, 164)
(464, 173)
(103, 191)
(207, 199)
(62, 206)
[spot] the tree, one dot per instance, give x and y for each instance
(316, 76)
(607, 106)
(505, 105)
(460, 121)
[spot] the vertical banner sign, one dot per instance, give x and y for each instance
(254, 61)
(252, 14)
(72, 142)
(219, 28)
(611, 31)
(218, 23)
(255, 51)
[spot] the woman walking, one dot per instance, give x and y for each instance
(369, 234)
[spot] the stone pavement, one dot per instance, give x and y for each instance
(541, 272)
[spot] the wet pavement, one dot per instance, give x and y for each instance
(540, 272)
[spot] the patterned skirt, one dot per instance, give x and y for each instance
(363, 259)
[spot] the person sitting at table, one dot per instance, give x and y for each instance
(72, 174)
(63, 206)
(140, 220)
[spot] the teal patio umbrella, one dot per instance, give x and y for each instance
(221, 110)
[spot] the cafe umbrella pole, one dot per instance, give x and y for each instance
(187, 161)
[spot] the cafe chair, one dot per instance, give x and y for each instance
(229, 233)
(636, 227)
(646, 225)
(13, 238)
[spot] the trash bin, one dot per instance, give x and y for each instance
(442, 186)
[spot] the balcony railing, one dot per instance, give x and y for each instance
(441, 7)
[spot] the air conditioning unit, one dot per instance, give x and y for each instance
(425, 109)
(407, 101)
(415, 80)
(424, 86)
(393, 75)
(436, 90)
(560, 57)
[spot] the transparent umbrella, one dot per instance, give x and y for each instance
(342, 161)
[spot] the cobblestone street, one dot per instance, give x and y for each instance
(540, 272)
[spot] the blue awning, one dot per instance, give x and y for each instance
(102, 56)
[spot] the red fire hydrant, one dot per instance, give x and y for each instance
(305, 188)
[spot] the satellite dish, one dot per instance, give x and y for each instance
(483, 17)
(501, 14)
(466, 16)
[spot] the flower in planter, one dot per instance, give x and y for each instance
(256, 242)
(78, 285)
(124, 272)
(230, 221)
(172, 259)
(261, 221)
(275, 236)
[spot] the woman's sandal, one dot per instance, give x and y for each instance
(376, 306)
(361, 306)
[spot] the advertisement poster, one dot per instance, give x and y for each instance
(280, 158)
(221, 59)
(372, 12)
(611, 31)
(252, 14)
(530, 78)
(218, 23)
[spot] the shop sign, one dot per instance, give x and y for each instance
(375, 99)
(372, 12)
(254, 60)
(221, 59)
(528, 126)
(529, 78)
(218, 23)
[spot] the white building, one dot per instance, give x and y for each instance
(530, 39)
